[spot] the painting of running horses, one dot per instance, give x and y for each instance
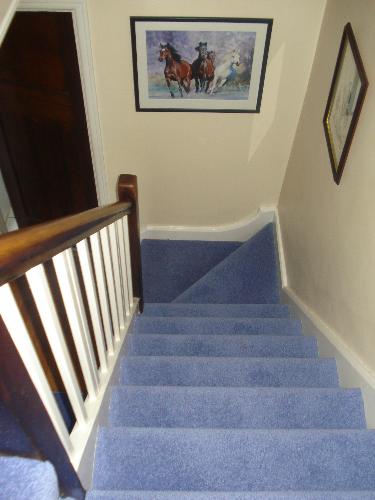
(199, 64)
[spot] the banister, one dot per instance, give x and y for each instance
(23, 249)
(54, 306)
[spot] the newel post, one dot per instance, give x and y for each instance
(127, 191)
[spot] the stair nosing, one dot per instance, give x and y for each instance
(228, 358)
(240, 387)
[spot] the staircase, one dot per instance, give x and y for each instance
(220, 396)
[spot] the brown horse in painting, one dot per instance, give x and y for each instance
(176, 69)
(203, 67)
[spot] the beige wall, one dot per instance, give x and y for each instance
(329, 230)
(201, 168)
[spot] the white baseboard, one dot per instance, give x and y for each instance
(237, 231)
(86, 464)
(280, 249)
(352, 370)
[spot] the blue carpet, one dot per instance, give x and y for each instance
(249, 275)
(256, 346)
(218, 326)
(218, 310)
(233, 372)
(230, 495)
(169, 267)
(233, 407)
(25, 479)
(220, 396)
(234, 459)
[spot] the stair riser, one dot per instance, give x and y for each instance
(214, 326)
(217, 310)
(222, 345)
(236, 408)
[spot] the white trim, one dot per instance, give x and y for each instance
(353, 371)
(78, 8)
(236, 231)
(7, 17)
(280, 248)
(84, 439)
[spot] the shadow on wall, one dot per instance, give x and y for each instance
(263, 122)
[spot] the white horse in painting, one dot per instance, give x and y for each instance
(227, 69)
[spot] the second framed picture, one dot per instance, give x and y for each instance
(199, 64)
(345, 100)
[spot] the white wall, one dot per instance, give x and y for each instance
(200, 168)
(328, 230)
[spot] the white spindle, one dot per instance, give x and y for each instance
(117, 273)
(128, 259)
(102, 290)
(20, 336)
(75, 310)
(90, 287)
(124, 277)
(44, 301)
(110, 281)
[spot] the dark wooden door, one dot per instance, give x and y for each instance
(44, 146)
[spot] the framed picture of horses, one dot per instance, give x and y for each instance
(199, 64)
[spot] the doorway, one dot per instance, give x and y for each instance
(45, 155)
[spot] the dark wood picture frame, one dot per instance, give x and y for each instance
(348, 100)
(256, 58)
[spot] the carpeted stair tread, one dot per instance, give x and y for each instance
(256, 346)
(248, 275)
(27, 479)
(234, 460)
(228, 407)
(167, 267)
(218, 310)
(230, 495)
(236, 372)
(227, 326)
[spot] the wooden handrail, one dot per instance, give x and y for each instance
(23, 249)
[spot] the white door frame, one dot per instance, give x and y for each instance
(78, 8)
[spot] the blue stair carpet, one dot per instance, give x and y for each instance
(249, 275)
(256, 346)
(229, 407)
(25, 479)
(230, 495)
(217, 310)
(220, 396)
(169, 267)
(218, 326)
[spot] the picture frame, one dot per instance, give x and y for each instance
(199, 64)
(345, 100)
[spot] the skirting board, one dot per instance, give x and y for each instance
(86, 465)
(237, 231)
(353, 372)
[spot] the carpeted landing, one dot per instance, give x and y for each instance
(220, 396)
